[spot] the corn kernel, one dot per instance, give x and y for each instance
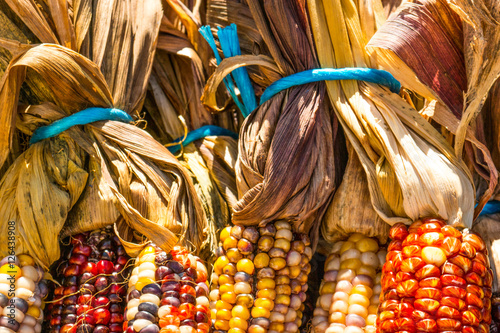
(220, 263)
(226, 288)
(264, 303)
(222, 325)
(237, 322)
(224, 314)
(261, 260)
(266, 293)
(224, 234)
(241, 311)
(266, 284)
(245, 265)
(258, 312)
(353, 264)
(367, 245)
(229, 297)
(347, 246)
(282, 299)
(220, 305)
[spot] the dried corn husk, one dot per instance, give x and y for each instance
(489, 228)
(132, 176)
(411, 170)
(286, 165)
(351, 210)
(424, 46)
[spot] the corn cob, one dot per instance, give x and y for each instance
(349, 292)
(93, 275)
(168, 293)
(435, 279)
(22, 290)
(260, 279)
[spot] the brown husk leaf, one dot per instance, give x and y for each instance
(131, 173)
(286, 166)
(350, 210)
(428, 36)
(488, 227)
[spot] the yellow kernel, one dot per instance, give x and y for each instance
(219, 305)
(371, 319)
(34, 311)
(353, 263)
(222, 325)
(337, 318)
(279, 327)
(356, 237)
(241, 311)
(230, 243)
(25, 260)
(266, 293)
(295, 271)
(225, 279)
(148, 250)
(361, 289)
(282, 279)
(228, 297)
(277, 263)
(143, 281)
(282, 299)
(260, 312)
(261, 260)
(283, 289)
(367, 270)
(264, 303)
(327, 288)
(256, 329)
(229, 269)
(367, 245)
(266, 284)
(245, 300)
(223, 314)
(225, 234)
(220, 263)
(283, 244)
(359, 299)
(226, 288)
(240, 323)
(347, 246)
(11, 269)
(234, 255)
(245, 265)
(372, 309)
(235, 330)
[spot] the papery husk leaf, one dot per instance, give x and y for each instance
(382, 126)
(428, 37)
(488, 226)
(220, 155)
(350, 210)
(482, 57)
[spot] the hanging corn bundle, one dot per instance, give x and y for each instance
(286, 173)
(137, 186)
(175, 112)
(435, 278)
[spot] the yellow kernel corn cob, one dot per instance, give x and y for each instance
(349, 292)
(260, 279)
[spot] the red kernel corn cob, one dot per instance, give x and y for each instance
(91, 297)
(435, 279)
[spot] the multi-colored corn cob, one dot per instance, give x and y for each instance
(92, 275)
(349, 292)
(168, 293)
(435, 279)
(22, 290)
(260, 279)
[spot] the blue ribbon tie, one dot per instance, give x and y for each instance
(200, 133)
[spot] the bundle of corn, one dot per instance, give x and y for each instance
(174, 108)
(106, 172)
(22, 291)
(260, 279)
(92, 273)
(411, 169)
(448, 37)
(167, 293)
(350, 290)
(435, 278)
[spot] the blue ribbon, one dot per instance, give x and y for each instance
(327, 74)
(230, 44)
(87, 116)
(200, 133)
(491, 207)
